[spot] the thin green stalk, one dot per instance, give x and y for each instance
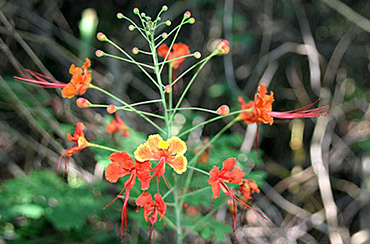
(170, 223)
(126, 104)
(128, 60)
(178, 210)
(127, 108)
(171, 32)
(141, 68)
(159, 80)
(102, 147)
(137, 27)
(195, 192)
(170, 60)
(211, 120)
(199, 170)
(173, 41)
(170, 70)
(187, 71)
(197, 109)
(190, 83)
(143, 102)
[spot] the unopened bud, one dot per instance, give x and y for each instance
(197, 55)
(168, 89)
(168, 23)
(191, 20)
(83, 103)
(101, 36)
(143, 15)
(120, 16)
(135, 50)
(223, 47)
(185, 205)
(136, 11)
(131, 27)
(187, 14)
(164, 35)
(111, 109)
(223, 110)
(164, 8)
(99, 53)
(159, 19)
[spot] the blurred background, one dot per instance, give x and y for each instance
(314, 174)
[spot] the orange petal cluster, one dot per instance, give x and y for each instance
(170, 152)
(152, 208)
(260, 107)
(122, 164)
(248, 187)
(227, 174)
(178, 50)
(117, 125)
(81, 78)
(80, 142)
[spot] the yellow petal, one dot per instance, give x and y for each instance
(153, 141)
(143, 153)
(179, 164)
(177, 146)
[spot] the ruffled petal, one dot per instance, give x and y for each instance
(162, 50)
(161, 205)
(215, 190)
(143, 153)
(176, 145)
(236, 176)
(153, 141)
(69, 91)
(143, 170)
(179, 164)
(228, 164)
(113, 172)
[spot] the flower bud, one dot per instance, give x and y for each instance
(223, 47)
(168, 89)
(135, 50)
(101, 36)
(136, 11)
(191, 20)
(120, 16)
(143, 15)
(111, 109)
(99, 53)
(131, 27)
(164, 35)
(197, 55)
(223, 110)
(168, 23)
(82, 102)
(187, 14)
(164, 8)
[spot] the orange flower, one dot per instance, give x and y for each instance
(170, 152)
(218, 179)
(80, 142)
(122, 165)
(80, 80)
(178, 50)
(116, 125)
(151, 208)
(78, 85)
(248, 187)
(261, 109)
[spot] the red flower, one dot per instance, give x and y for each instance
(170, 152)
(78, 85)
(152, 208)
(80, 81)
(248, 187)
(122, 165)
(218, 179)
(80, 142)
(117, 125)
(261, 109)
(178, 50)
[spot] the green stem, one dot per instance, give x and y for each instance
(143, 102)
(190, 83)
(126, 104)
(199, 170)
(187, 71)
(102, 147)
(128, 60)
(127, 55)
(169, 61)
(197, 109)
(194, 192)
(178, 211)
(170, 70)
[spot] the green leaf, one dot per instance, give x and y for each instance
(32, 211)
(206, 232)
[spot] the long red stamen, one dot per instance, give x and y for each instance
(119, 194)
(124, 214)
(303, 112)
(40, 80)
(60, 159)
(165, 181)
